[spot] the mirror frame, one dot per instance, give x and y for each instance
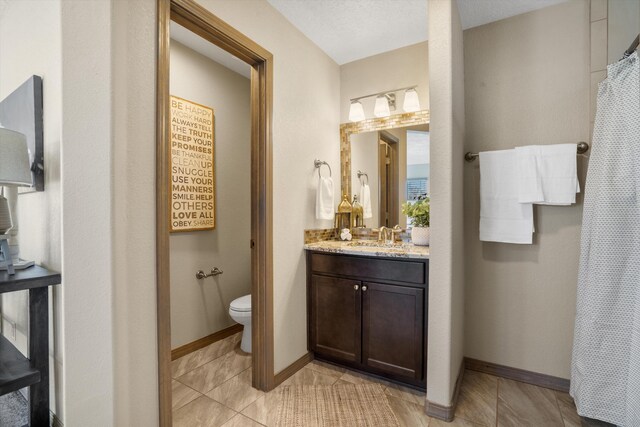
(371, 125)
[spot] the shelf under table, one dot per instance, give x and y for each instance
(15, 369)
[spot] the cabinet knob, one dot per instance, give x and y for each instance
(364, 288)
(356, 287)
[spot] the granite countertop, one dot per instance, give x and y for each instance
(370, 248)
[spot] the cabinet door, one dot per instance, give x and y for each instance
(336, 310)
(393, 330)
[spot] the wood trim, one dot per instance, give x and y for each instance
(261, 225)
(213, 175)
(183, 350)
(388, 137)
(202, 22)
(163, 292)
(534, 378)
(447, 413)
(388, 217)
(287, 372)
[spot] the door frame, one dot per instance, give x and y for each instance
(202, 22)
(390, 187)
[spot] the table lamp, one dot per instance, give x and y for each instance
(14, 172)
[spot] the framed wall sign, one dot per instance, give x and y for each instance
(193, 197)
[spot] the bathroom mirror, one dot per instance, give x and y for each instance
(391, 156)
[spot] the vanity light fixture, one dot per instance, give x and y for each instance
(411, 102)
(385, 103)
(356, 112)
(381, 108)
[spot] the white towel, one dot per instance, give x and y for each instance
(365, 200)
(502, 217)
(529, 178)
(548, 174)
(559, 172)
(324, 198)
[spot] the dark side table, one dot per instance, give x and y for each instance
(17, 371)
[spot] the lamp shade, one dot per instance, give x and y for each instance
(411, 101)
(356, 112)
(14, 159)
(381, 109)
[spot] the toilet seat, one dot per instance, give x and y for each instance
(242, 304)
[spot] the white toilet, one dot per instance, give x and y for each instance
(240, 311)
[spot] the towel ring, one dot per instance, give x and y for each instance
(318, 164)
(360, 175)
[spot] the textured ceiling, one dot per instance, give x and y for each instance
(348, 30)
(353, 29)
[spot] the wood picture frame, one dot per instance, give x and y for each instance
(192, 166)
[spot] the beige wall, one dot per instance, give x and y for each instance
(526, 82)
(301, 71)
(88, 171)
(458, 137)
(108, 194)
(446, 267)
(129, 391)
(201, 307)
(623, 25)
(398, 68)
(306, 116)
(30, 44)
(407, 66)
(135, 368)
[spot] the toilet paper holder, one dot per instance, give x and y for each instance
(215, 271)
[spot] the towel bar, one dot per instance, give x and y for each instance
(583, 147)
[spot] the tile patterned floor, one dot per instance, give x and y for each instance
(212, 388)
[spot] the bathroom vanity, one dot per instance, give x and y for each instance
(367, 307)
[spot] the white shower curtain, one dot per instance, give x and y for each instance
(605, 368)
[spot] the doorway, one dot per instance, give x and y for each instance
(202, 22)
(388, 171)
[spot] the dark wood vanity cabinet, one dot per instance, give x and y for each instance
(336, 308)
(369, 313)
(392, 329)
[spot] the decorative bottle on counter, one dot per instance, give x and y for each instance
(343, 216)
(357, 213)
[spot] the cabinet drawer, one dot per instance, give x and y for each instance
(369, 268)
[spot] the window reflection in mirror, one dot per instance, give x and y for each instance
(394, 163)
